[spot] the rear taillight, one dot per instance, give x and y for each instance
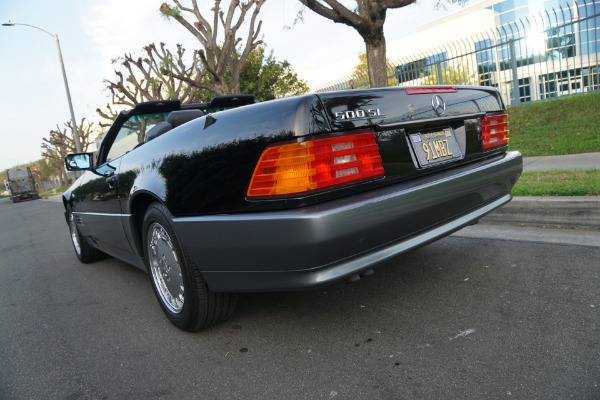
(431, 89)
(494, 131)
(315, 164)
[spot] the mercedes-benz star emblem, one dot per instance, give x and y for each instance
(439, 107)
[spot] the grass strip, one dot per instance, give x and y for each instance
(576, 182)
(567, 125)
(58, 191)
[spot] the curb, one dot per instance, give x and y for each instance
(565, 212)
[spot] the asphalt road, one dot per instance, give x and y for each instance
(463, 318)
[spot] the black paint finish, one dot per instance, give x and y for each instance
(202, 169)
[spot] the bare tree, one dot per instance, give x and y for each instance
(220, 61)
(367, 19)
(59, 143)
(38, 177)
(109, 114)
(160, 75)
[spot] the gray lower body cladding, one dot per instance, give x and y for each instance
(314, 246)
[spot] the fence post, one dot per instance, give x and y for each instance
(439, 73)
(513, 61)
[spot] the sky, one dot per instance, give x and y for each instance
(92, 33)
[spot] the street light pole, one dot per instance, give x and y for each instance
(62, 66)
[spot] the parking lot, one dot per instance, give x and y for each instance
(462, 318)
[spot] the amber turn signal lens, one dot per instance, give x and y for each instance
(315, 164)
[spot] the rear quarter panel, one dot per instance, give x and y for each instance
(204, 166)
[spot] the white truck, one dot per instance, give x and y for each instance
(20, 184)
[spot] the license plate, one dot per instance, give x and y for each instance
(435, 147)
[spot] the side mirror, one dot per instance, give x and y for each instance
(79, 161)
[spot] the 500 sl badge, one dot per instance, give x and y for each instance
(358, 114)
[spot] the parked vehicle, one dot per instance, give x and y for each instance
(20, 184)
(288, 194)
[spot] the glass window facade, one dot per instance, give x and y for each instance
(531, 50)
(423, 67)
(589, 28)
(485, 54)
(559, 37)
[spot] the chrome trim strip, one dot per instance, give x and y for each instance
(405, 124)
(101, 214)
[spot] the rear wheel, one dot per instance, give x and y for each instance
(177, 282)
(84, 252)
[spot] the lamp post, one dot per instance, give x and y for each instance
(62, 65)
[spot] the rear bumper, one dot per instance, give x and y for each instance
(25, 195)
(313, 246)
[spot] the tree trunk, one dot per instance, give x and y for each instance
(223, 88)
(63, 173)
(376, 60)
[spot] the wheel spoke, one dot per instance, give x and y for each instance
(165, 268)
(74, 234)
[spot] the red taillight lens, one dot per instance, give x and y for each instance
(315, 164)
(494, 131)
(430, 89)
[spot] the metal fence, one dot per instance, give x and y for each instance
(552, 54)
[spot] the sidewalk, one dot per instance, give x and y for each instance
(569, 161)
(580, 212)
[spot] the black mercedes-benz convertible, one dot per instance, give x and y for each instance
(232, 196)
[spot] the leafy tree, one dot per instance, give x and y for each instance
(360, 74)
(3, 177)
(222, 61)
(450, 76)
(367, 19)
(267, 78)
(47, 171)
(42, 171)
(362, 68)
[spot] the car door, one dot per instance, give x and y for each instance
(97, 198)
(96, 205)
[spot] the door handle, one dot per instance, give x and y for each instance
(111, 181)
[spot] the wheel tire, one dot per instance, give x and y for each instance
(83, 250)
(177, 282)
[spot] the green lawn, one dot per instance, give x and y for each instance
(568, 125)
(559, 183)
(51, 193)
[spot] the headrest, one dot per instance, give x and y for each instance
(157, 130)
(180, 117)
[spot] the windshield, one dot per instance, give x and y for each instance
(133, 133)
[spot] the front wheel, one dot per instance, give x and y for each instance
(177, 282)
(84, 252)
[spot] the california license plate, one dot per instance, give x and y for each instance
(435, 147)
